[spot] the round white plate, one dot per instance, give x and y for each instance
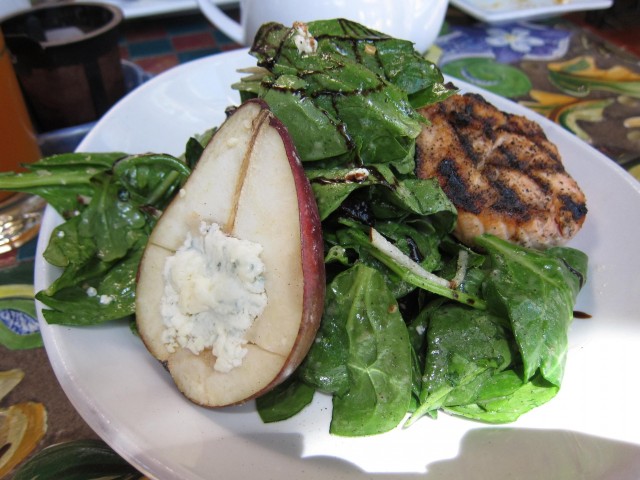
(591, 430)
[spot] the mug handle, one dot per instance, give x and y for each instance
(229, 27)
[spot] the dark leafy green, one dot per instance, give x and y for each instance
(362, 355)
(504, 397)
(61, 180)
(537, 291)
(461, 346)
(287, 399)
(350, 100)
(110, 202)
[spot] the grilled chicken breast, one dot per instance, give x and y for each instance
(501, 172)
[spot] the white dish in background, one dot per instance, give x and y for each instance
(418, 21)
(589, 431)
(146, 8)
(499, 11)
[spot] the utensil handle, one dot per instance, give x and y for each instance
(229, 27)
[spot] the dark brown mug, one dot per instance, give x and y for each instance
(67, 60)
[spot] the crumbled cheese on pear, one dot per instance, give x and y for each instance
(213, 292)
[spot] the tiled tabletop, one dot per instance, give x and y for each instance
(160, 43)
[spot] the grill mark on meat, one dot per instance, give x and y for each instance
(512, 160)
(465, 143)
(510, 202)
(500, 171)
(577, 210)
(456, 188)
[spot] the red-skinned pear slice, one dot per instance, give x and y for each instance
(250, 182)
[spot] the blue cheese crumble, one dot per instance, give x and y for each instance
(213, 292)
(304, 41)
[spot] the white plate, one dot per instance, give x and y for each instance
(589, 431)
(497, 11)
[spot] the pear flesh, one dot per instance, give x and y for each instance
(249, 183)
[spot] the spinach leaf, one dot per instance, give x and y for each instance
(63, 181)
(113, 286)
(111, 202)
(497, 364)
(387, 195)
(536, 291)
(461, 345)
(391, 58)
(65, 246)
(331, 187)
(110, 222)
(504, 398)
(150, 179)
(350, 97)
(284, 401)
(417, 239)
(362, 355)
(408, 270)
(317, 134)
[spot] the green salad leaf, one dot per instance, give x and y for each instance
(349, 101)
(537, 291)
(362, 355)
(462, 346)
(110, 203)
(285, 400)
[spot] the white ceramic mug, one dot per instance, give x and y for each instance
(416, 20)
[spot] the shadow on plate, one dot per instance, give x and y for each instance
(497, 453)
(538, 454)
(485, 453)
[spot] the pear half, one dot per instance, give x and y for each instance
(249, 181)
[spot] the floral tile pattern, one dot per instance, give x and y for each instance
(506, 43)
(559, 70)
